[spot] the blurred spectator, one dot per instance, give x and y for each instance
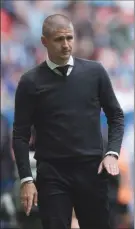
(124, 189)
(119, 31)
(7, 174)
(129, 145)
(7, 163)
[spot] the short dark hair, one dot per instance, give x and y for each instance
(53, 22)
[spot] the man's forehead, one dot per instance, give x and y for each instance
(63, 32)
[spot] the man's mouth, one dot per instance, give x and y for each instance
(65, 51)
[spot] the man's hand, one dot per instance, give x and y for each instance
(28, 195)
(110, 163)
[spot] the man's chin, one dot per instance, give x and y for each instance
(65, 56)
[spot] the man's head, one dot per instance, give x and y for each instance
(58, 37)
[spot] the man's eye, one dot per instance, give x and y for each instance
(69, 38)
(62, 38)
(59, 39)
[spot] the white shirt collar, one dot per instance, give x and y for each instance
(52, 65)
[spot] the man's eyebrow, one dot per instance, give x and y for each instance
(63, 36)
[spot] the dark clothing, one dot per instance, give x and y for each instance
(6, 160)
(64, 185)
(65, 112)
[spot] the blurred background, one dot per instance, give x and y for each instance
(104, 32)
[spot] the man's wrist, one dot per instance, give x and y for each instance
(27, 182)
(26, 179)
(113, 154)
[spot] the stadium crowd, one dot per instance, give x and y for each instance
(104, 31)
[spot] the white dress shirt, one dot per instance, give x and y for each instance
(53, 67)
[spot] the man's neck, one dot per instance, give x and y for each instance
(59, 62)
(53, 65)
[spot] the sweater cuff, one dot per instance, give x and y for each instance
(26, 179)
(112, 152)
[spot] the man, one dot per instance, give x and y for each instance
(63, 104)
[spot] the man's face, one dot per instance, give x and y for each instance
(59, 44)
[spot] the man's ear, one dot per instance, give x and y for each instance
(43, 40)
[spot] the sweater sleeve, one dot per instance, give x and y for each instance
(112, 110)
(23, 120)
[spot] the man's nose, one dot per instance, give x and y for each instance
(65, 44)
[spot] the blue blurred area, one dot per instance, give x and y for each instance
(103, 3)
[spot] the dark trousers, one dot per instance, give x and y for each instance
(64, 185)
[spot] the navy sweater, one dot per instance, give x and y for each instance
(65, 112)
